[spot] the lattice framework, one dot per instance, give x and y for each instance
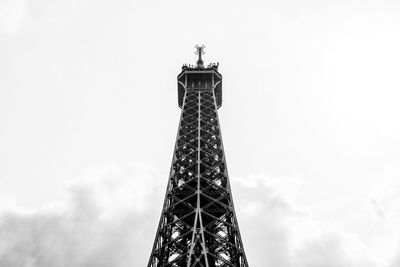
(198, 225)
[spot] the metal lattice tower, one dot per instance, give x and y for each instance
(198, 225)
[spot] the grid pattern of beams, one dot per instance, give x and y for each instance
(198, 225)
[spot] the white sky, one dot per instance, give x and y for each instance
(311, 105)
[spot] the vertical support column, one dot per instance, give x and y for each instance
(203, 241)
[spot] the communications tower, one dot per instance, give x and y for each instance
(198, 225)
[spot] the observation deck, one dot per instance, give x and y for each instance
(200, 78)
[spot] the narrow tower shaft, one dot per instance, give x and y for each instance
(198, 225)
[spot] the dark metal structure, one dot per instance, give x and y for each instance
(198, 225)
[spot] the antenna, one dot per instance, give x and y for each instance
(200, 52)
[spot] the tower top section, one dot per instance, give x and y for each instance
(200, 78)
(200, 63)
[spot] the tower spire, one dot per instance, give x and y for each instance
(200, 52)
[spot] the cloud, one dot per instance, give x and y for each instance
(12, 15)
(384, 211)
(109, 218)
(279, 232)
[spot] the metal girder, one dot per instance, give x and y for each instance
(198, 225)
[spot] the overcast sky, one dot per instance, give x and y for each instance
(310, 122)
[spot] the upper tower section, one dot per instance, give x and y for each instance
(198, 78)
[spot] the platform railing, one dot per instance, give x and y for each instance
(206, 86)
